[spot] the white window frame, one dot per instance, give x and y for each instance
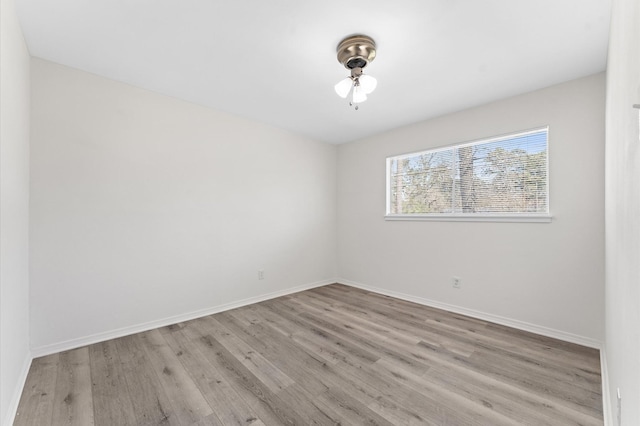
(469, 217)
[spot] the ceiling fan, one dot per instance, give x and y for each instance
(355, 53)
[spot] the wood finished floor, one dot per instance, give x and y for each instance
(331, 355)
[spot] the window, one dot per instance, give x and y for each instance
(501, 178)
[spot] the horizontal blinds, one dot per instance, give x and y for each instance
(499, 175)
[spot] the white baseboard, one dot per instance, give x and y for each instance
(509, 322)
(607, 413)
(125, 331)
(17, 392)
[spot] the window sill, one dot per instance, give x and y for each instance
(533, 218)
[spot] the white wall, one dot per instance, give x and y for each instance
(545, 275)
(145, 207)
(14, 211)
(623, 211)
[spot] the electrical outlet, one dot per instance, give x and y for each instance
(456, 282)
(261, 274)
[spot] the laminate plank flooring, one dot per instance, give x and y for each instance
(110, 395)
(333, 355)
(73, 401)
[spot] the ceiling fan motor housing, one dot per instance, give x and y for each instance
(356, 51)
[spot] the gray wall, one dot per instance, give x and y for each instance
(14, 211)
(548, 277)
(623, 211)
(147, 209)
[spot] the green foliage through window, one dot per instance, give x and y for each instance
(503, 175)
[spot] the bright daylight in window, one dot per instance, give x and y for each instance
(501, 178)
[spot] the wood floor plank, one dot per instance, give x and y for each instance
(449, 330)
(542, 369)
(351, 410)
(524, 407)
(371, 327)
(305, 338)
(188, 403)
(511, 376)
(580, 399)
(411, 325)
(36, 404)
(329, 378)
(111, 401)
(151, 403)
(385, 397)
(73, 404)
(264, 370)
(312, 410)
(326, 356)
(225, 402)
(249, 386)
(294, 361)
(213, 420)
(391, 351)
(454, 408)
(368, 393)
(548, 349)
(323, 336)
(394, 396)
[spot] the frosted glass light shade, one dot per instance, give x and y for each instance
(367, 83)
(359, 95)
(344, 87)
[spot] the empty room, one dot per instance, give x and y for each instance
(294, 213)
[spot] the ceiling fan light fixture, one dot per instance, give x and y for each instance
(343, 87)
(367, 83)
(359, 95)
(355, 53)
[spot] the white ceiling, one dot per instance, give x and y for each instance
(274, 61)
